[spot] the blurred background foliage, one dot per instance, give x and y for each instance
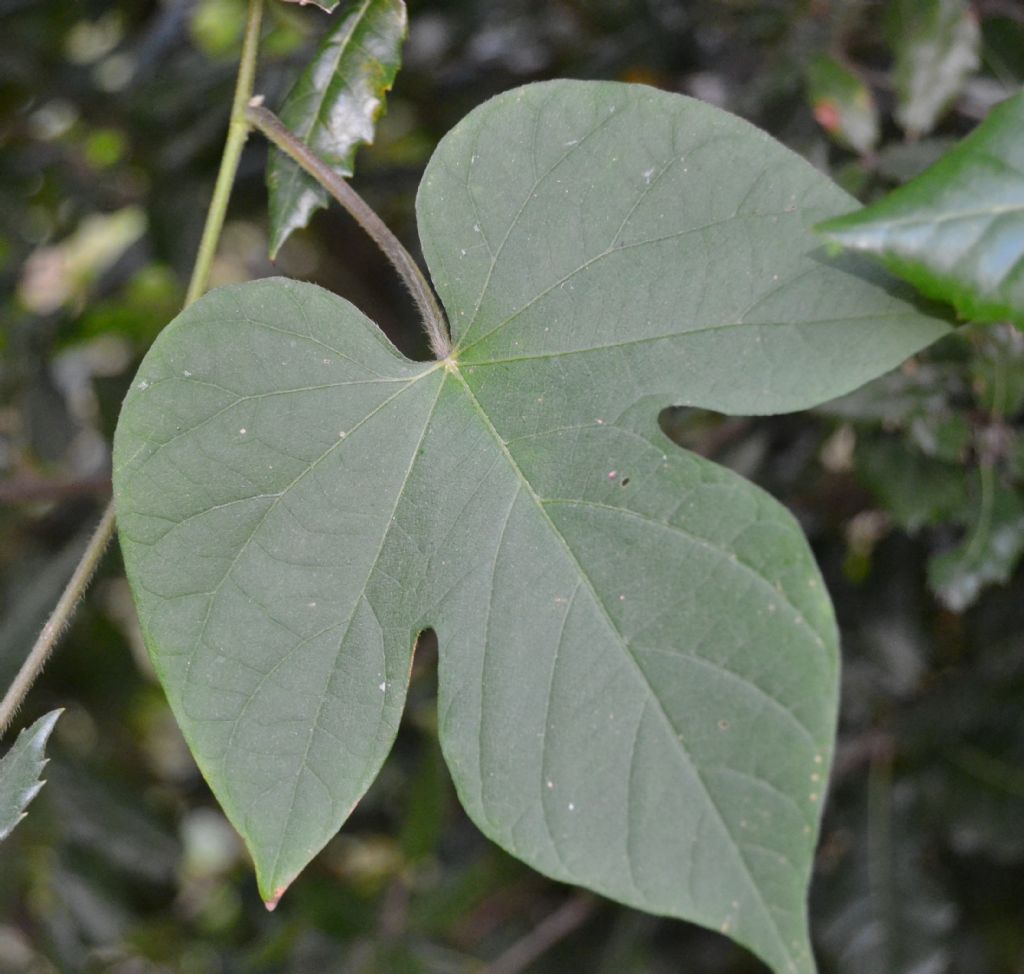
(112, 116)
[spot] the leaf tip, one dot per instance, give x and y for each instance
(271, 903)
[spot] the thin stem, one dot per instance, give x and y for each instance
(58, 620)
(238, 132)
(569, 917)
(433, 318)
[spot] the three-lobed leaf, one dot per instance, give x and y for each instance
(334, 106)
(638, 660)
(20, 769)
(956, 232)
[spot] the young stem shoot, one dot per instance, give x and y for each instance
(238, 130)
(433, 318)
(58, 620)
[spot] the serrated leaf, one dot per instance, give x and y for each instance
(937, 46)
(334, 106)
(957, 231)
(843, 104)
(637, 656)
(20, 769)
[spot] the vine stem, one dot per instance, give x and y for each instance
(238, 131)
(58, 620)
(275, 131)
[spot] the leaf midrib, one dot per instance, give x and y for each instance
(886, 223)
(342, 50)
(673, 733)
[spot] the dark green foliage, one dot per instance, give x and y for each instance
(334, 106)
(20, 770)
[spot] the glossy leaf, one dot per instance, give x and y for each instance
(20, 769)
(957, 231)
(843, 104)
(637, 657)
(937, 48)
(334, 107)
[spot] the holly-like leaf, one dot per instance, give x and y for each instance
(637, 656)
(957, 231)
(20, 769)
(334, 106)
(843, 104)
(937, 48)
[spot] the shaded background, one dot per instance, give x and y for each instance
(112, 117)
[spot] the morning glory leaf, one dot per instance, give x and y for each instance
(334, 106)
(638, 660)
(20, 769)
(956, 232)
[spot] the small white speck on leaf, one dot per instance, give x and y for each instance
(243, 431)
(572, 807)
(612, 474)
(142, 386)
(383, 687)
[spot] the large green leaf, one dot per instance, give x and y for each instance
(334, 107)
(637, 656)
(20, 769)
(937, 48)
(957, 231)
